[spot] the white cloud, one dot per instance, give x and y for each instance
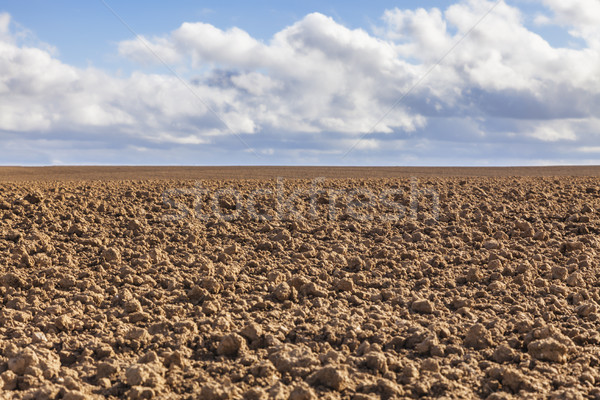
(589, 149)
(581, 16)
(576, 12)
(423, 32)
(542, 20)
(4, 23)
(554, 131)
(145, 51)
(256, 83)
(314, 75)
(203, 43)
(320, 85)
(38, 93)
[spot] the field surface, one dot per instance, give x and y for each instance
(299, 283)
(261, 173)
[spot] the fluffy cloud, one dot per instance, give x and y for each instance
(338, 79)
(39, 94)
(317, 86)
(313, 76)
(582, 17)
(4, 23)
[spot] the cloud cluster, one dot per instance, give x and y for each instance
(316, 87)
(314, 76)
(581, 17)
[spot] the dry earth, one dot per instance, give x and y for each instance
(109, 290)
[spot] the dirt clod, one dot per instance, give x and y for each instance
(548, 349)
(120, 289)
(478, 337)
(332, 377)
(231, 345)
(422, 306)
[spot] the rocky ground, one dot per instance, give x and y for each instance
(334, 289)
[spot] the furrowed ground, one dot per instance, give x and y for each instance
(455, 287)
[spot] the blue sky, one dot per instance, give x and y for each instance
(300, 83)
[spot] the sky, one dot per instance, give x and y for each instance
(415, 83)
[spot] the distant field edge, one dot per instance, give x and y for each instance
(84, 173)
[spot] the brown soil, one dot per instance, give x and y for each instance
(257, 172)
(109, 290)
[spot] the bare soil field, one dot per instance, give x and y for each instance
(229, 283)
(261, 173)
